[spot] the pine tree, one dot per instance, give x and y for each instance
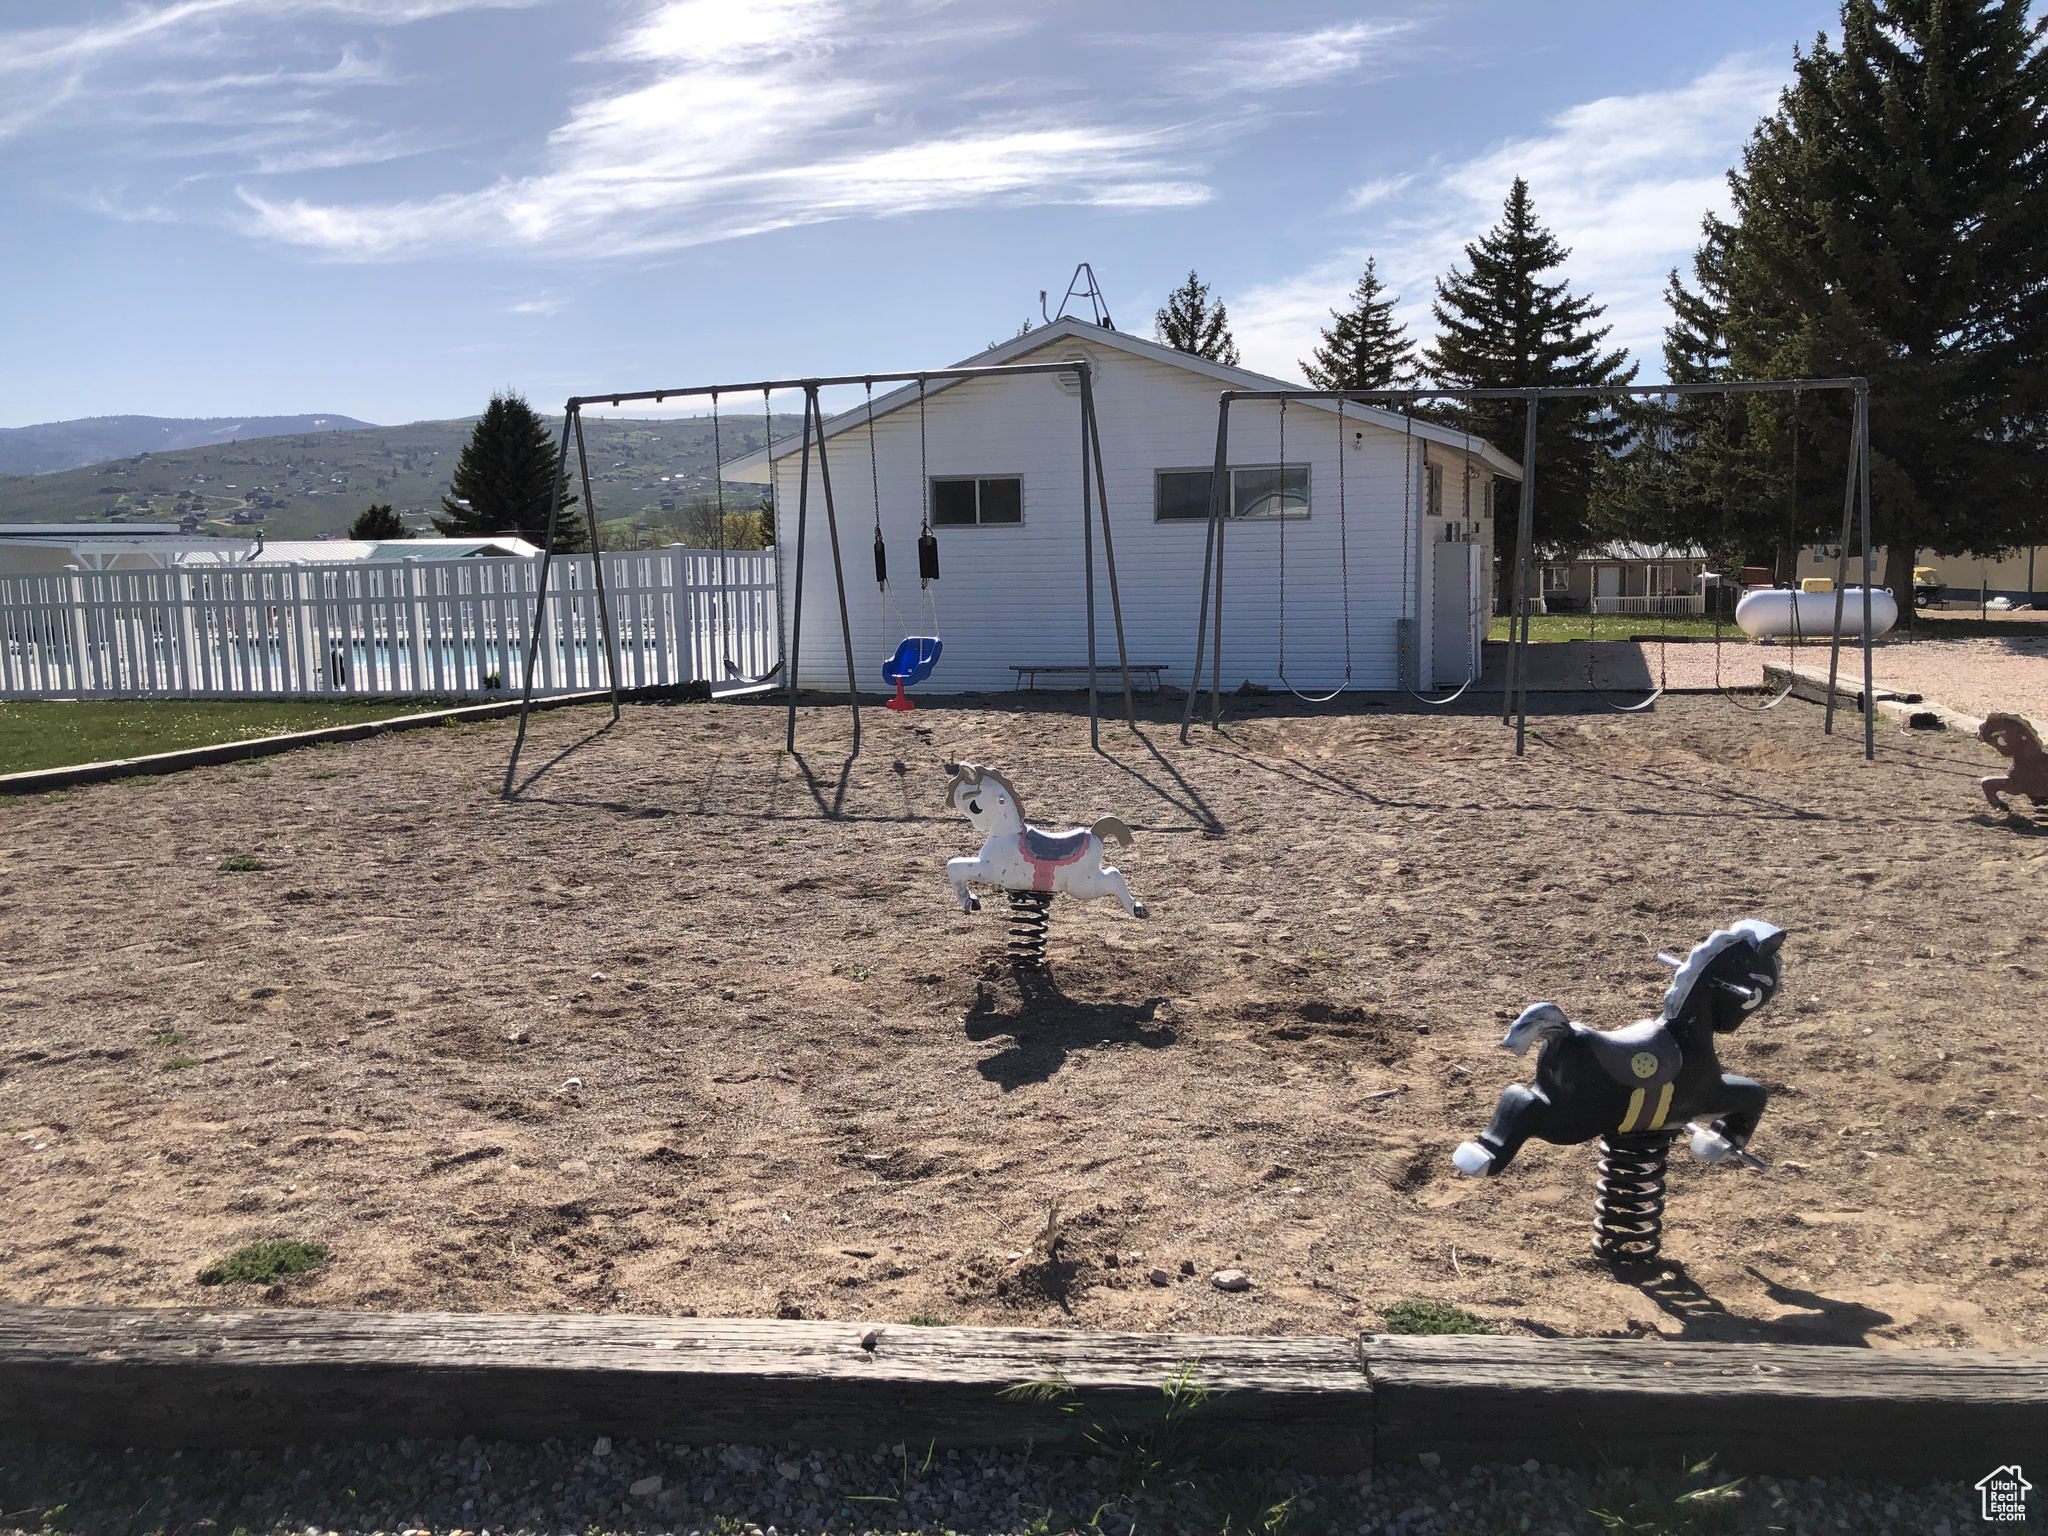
(505, 477)
(1363, 347)
(378, 522)
(1191, 323)
(1502, 326)
(1709, 470)
(1886, 223)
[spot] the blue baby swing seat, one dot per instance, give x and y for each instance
(912, 663)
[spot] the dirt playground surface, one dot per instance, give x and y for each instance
(694, 1024)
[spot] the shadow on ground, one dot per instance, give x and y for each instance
(1045, 1025)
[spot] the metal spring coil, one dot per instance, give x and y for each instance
(1628, 1210)
(1030, 915)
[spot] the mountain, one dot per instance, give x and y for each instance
(645, 474)
(55, 445)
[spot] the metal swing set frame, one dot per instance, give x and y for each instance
(1094, 498)
(1515, 696)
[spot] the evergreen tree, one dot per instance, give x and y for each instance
(1363, 347)
(1191, 323)
(1709, 470)
(505, 477)
(378, 522)
(1886, 223)
(1503, 326)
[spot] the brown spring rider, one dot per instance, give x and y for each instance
(2012, 737)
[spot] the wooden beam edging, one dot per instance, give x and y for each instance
(1903, 1415)
(191, 1378)
(40, 780)
(229, 1379)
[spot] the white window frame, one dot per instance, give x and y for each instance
(1023, 516)
(1306, 470)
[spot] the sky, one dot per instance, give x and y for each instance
(390, 208)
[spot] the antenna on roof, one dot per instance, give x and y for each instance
(1090, 290)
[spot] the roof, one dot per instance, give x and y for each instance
(330, 551)
(1625, 549)
(752, 468)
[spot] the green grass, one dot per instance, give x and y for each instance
(241, 864)
(261, 1263)
(1416, 1315)
(169, 1038)
(1617, 626)
(42, 734)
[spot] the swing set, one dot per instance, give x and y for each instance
(913, 659)
(1515, 695)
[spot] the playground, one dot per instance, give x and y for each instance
(694, 1024)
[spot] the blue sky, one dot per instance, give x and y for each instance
(387, 208)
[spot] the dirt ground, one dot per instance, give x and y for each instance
(1974, 674)
(693, 1024)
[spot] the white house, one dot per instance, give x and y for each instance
(998, 463)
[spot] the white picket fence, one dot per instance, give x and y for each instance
(438, 627)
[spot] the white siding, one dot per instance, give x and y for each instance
(1014, 595)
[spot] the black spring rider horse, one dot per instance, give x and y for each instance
(1635, 1087)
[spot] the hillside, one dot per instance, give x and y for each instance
(58, 445)
(309, 484)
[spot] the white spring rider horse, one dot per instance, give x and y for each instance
(1020, 857)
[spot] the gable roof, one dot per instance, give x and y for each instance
(752, 468)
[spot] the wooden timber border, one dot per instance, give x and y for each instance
(193, 1378)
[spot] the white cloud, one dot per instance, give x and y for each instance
(1272, 61)
(1622, 182)
(735, 117)
(1377, 191)
(45, 69)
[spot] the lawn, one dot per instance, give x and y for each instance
(1617, 626)
(53, 735)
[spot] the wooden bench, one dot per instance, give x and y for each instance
(1105, 672)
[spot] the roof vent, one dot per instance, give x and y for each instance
(1071, 382)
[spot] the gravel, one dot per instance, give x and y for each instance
(499, 1489)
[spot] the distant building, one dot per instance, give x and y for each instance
(1624, 577)
(33, 548)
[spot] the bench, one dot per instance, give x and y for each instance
(1106, 673)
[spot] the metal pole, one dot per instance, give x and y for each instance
(1088, 564)
(838, 572)
(1116, 602)
(604, 607)
(540, 596)
(1856, 425)
(1187, 712)
(796, 611)
(1525, 540)
(1220, 507)
(1869, 692)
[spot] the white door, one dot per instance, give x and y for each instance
(1457, 613)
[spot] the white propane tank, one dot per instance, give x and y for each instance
(1768, 614)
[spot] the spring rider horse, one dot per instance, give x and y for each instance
(1031, 864)
(1633, 1088)
(2014, 738)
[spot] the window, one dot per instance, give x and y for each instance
(1258, 491)
(1433, 495)
(966, 501)
(1557, 578)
